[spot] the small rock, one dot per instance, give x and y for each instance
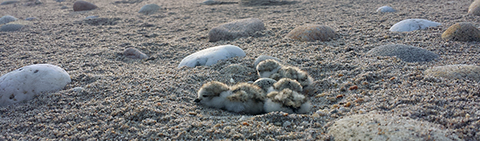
(462, 32)
(385, 9)
(9, 2)
(210, 2)
(458, 71)
(64, 7)
(77, 89)
(91, 17)
(59, 0)
(149, 9)
(25, 83)
(413, 24)
(211, 56)
(83, 6)
(236, 29)
(404, 52)
(474, 8)
(134, 53)
(11, 27)
(7, 19)
(312, 33)
(31, 19)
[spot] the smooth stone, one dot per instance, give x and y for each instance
(6, 19)
(405, 52)
(83, 6)
(149, 9)
(11, 27)
(458, 71)
(474, 8)
(134, 53)
(236, 29)
(312, 33)
(31, 19)
(91, 17)
(379, 127)
(211, 56)
(210, 2)
(263, 58)
(462, 32)
(385, 9)
(25, 83)
(9, 2)
(413, 24)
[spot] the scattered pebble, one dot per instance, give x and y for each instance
(210, 2)
(91, 17)
(77, 89)
(236, 29)
(83, 6)
(263, 58)
(462, 32)
(7, 19)
(64, 7)
(134, 53)
(31, 19)
(385, 9)
(149, 9)
(11, 27)
(413, 24)
(9, 2)
(405, 52)
(381, 127)
(458, 71)
(24, 83)
(33, 2)
(312, 33)
(474, 8)
(211, 55)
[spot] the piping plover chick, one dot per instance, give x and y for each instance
(267, 68)
(213, 94)
(296, 74)
(246, 98)
(265, 83)
(287, 83)
(287, 101)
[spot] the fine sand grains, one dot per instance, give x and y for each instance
(113, 97)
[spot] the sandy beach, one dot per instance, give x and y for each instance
(151, 99)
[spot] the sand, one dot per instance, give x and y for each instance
(131, 99)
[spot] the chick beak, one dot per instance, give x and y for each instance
(196, 100)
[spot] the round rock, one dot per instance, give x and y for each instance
(413, 24)
(24, 83)
(211, 56)
(312, 33)
(381, 128)
(404, 52)
(462, 32)
(9, 2)
(83, 6)
(11, 27)
(474, 8)
(236, 29)
(149, 9)
(134, 53)
(7, 19)
(458, 71)
(385, 9)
